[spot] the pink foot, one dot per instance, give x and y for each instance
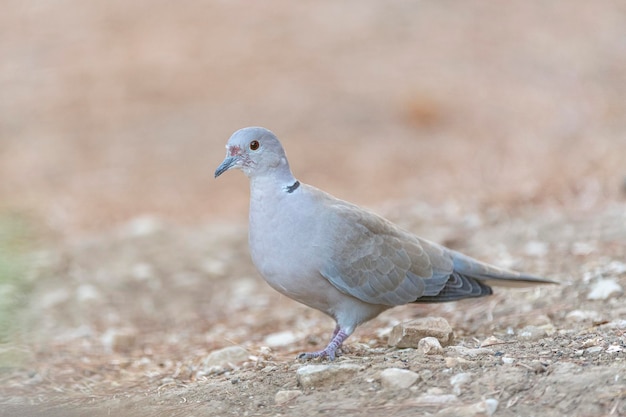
(330, 351)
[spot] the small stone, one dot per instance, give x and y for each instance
(435, 399)
(310, 376)
(619, 324)
(226, 358)
(214, 267)
(396, 378)
(142, 271)
(536, 248)
(280, 339)
(284, 396)
(430, 346)
(140, 226)
(583, 248)
(507, 360)
(454, 362)
(490, 341)
(584, 315)
(458, 380)
(604, 289)
(594, 341)
(426, 374)
(530, 333)
(119, 340)
(614, 349)
(491, 405)
(482, 408)
(594, 349)
(53, 298)
(87, 293)
(538, 320)
(408, 335)
(616, 267)
(538, 366)
(470, 352)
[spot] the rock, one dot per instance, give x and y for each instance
(458, 380)
(490, 341)
(530, 333)
(430, 346)
(614, 349)
(53, 298)
(284, 396)
(584, 315)
(536, 248)
(396, 378)
(215, 267)
(583, 248)
(616, 267)
(426, 374)
(482, 408)
(408, 335)
(454, 362)
(87, 293)
(506, 360)
(280, 339)
(142, 271)
(119, 340)
(435, 399)
(619, 324)
(141, 226)
(604, 289)
(310, 376)
(491, 405)
(594, 349)
(225, 358)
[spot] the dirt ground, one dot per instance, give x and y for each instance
(496, 129)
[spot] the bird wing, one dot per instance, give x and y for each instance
(379, 263)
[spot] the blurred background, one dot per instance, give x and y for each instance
(114, 109)
(497, 128)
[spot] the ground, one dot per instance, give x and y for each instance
(495, 129)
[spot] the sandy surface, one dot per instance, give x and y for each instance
(495, 129)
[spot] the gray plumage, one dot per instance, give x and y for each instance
(339, 258)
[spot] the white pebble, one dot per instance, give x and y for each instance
(396, 378)
(226, 358)
(458, 380)
(435, 399)
(430, 346)
(285, 396)
(508, 360)
(87, 293)
(536, 248)
(604, 289)
(280, 339)
(584, 315)
(491, 405)
(310, 376)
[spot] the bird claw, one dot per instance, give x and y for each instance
(319, 354)
(329, 351)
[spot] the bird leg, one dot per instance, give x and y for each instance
(338, 337)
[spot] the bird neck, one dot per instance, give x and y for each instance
(277, 182)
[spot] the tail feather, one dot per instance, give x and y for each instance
(492, 275)
(456, 288)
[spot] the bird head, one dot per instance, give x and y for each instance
(254, 150)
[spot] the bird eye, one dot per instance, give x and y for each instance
(254, 145)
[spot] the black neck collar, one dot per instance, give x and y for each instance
(293, 187)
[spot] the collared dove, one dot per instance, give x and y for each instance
(338, 258)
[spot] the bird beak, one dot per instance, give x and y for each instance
(227, 164)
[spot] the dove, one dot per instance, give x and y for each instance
(338, 258)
